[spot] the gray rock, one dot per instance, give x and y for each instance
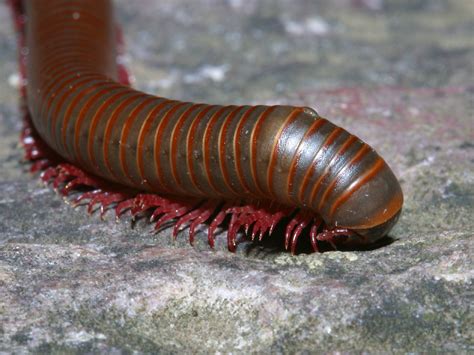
(70, 282)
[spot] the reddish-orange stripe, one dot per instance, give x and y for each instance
(190, 144)
(174, 139)
(75, 89)
(158, 141)
(364, 150)
(83, 113)
(66, 93)
(254, 142)
(368, 175)
(44, 109)
(110, 126)
(62, 52)
(238, 148)
(72, 105)
(339, 155)
(144, 130)
(310, 172)
(296, 158)
(206, 147)
(56, 73)
(275, 148)
(64, 48)
(221, 148)
(95, 121)
(126, 131)
(60, 68)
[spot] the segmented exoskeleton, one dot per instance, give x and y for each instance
(257, 163)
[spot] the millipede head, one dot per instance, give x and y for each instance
(373, 209)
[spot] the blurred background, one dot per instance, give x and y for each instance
(249, 50)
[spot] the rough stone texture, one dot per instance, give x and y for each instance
(396, 73)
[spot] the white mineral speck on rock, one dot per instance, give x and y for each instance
(14, 80)
(215, 73)
(313, 25)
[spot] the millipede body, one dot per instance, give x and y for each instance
(255, 163)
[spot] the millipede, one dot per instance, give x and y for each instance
(244, 168)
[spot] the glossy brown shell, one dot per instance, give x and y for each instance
(282, 153)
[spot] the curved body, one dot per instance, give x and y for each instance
(278, 153)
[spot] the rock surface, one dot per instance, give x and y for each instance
(396, 73)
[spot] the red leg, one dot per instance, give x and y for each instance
(331, 235)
